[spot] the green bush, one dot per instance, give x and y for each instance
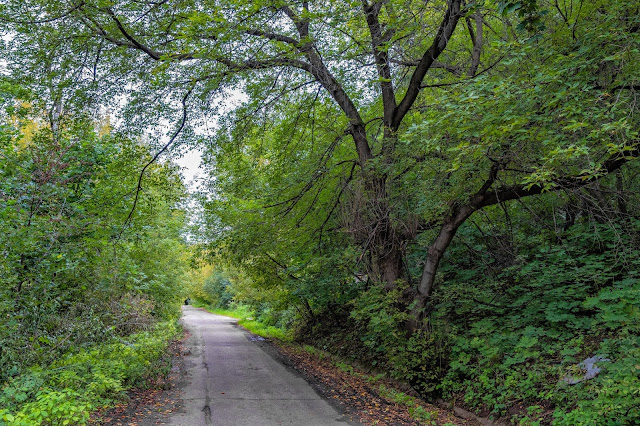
(562, 304)
(612, 397)
(417, 357)
(69, 389)
(217, 291)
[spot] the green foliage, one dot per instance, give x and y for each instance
(71, 274)
(539, 119)
(236, 310)
(559, 306)
(316, 194)
(417, 411)
(256, 327)
(247, 320)
(528, 11)
(613, 397)
(52, 407)
(216, 290)
(68, 390)
(416, 357)
(82, 289)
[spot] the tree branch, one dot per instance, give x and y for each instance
(152, 53)
(476, 39)
(273, 36)
(453, 69)
(382, 58)
(283, 267)
(181, 125)
(320, 71)
(460, 212)
(264, 64)
(336, 203)
(443, 35)
(511, 192)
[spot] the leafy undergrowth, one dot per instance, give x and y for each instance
(67, 391)
(157, 398)
(520, 356)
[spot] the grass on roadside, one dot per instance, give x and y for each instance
(246, 318)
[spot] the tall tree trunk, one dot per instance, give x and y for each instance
(383, 241)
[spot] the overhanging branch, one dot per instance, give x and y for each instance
(441, 40)
(511, 192)
(181, 125)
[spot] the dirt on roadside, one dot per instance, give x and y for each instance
(357, 394)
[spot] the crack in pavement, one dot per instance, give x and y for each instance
(207, 404)
(207, 411)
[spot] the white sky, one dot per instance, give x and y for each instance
(190, 166)
(190, 162)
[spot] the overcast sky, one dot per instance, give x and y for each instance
(190, 164)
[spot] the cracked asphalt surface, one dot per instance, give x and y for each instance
(233, 381)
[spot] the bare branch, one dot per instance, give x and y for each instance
(273, 36)
(318, 173)
(336, 203)
(152, 53)
(264, 64)
(476, 39)
(320, 71)
(453, 83)
(382, 58)
(282, 266)
(453, 69)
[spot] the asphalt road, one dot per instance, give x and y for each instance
(232, 381)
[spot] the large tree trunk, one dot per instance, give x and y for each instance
(390, 265)
(435, 252)
(379, 236)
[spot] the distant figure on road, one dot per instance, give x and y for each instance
(187, 301)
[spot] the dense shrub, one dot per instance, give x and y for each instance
(68, 390)
(560, 305)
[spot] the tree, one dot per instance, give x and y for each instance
(395, 78)
(71, 274)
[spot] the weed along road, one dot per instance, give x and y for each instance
(232, 381)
